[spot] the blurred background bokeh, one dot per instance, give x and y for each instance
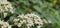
(48, 10)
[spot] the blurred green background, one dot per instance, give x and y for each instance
(47, 9)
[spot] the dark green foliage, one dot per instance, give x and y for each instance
(45, 8)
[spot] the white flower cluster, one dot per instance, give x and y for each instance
(5, 7)
(4, 24)
(29, 20)
(3, 1)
